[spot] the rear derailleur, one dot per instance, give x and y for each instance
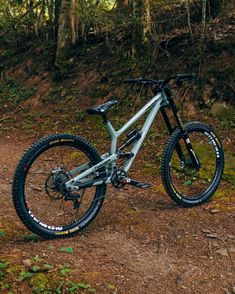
(55, 187)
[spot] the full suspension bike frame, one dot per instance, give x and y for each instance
(106, 166)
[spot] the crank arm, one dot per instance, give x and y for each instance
(135, 183)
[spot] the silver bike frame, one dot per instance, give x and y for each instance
(110, 158)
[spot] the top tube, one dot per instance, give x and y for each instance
(115, 134)
(140, 113)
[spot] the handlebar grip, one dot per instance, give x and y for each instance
(185, 77)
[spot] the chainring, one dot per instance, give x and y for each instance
(117, 178)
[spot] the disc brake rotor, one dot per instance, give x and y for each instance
(188, 167)
(54, 183)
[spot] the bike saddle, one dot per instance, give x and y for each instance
(103, 108)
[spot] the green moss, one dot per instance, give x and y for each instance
(223, 112)
(221, 193)
(39, 283)
(12, 91)
(12, 269)
(229, 169)
(8, 272)
(133, 211)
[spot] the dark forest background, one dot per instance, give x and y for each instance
(58, 49)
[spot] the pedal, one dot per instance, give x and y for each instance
(136, 184)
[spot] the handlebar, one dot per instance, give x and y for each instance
(179, 79)
(140, 81)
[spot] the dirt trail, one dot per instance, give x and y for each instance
(141, 243)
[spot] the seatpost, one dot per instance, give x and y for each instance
(105, 119)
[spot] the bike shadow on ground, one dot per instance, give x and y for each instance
(161, 203)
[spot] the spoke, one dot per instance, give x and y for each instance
(64, 214)
(48, 205)
(75, 216)
(61, 158)
(54, 210)
(83, 192)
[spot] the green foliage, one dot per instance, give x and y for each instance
(47, 266)
(66, 249)
(65, 271)
(188, 183)
(31, 238)
(51, 247)
(13, 92)
(4, 286)
(111, 287)
(39, 283)
(3, 271)
(24, 275)
(40, 280)
(80, 116)
(74, 287)
(3, 265)
(2, 234)
(229, 171)
(35, 268)
(37, 258)
(225, 113)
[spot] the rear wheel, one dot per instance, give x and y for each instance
(39, 196)
(185, 183)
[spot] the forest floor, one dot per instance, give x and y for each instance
(140, 243)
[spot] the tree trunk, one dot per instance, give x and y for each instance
(67, 29)
(146, 20)
(214, 7)
(189, 18)
(141, 24)
(121, 5)
(74, 21)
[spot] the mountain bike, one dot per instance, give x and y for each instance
(60, 183)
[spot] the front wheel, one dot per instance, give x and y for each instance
(38, 187)
(186, 183)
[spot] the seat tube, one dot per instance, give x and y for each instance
(113, 136)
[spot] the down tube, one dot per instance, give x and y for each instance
(148, 122)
